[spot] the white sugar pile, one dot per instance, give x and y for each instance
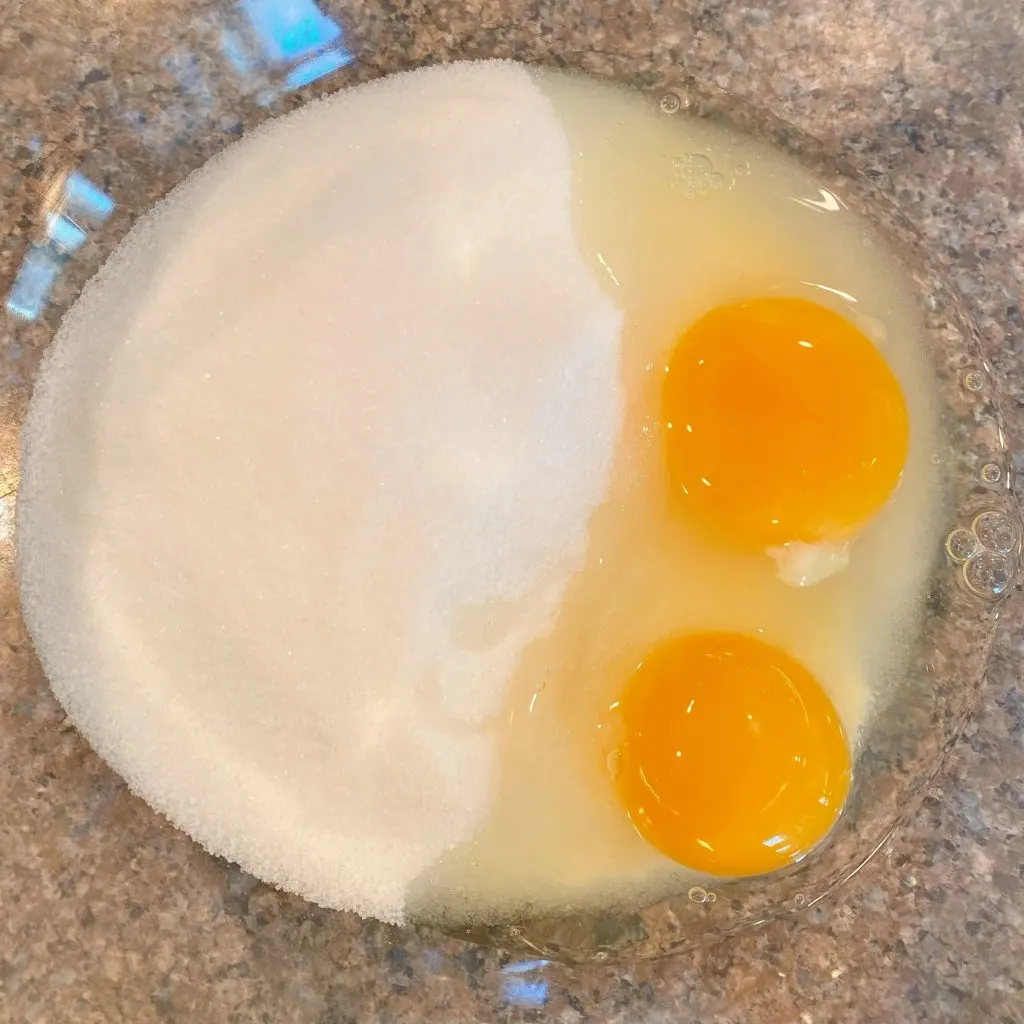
(310, 464)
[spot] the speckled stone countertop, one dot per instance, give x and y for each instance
(107, 914)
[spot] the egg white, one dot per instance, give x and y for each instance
(677, 215)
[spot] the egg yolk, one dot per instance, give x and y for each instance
(783, 423)
(732, 759)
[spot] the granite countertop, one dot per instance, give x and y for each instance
(110, 915)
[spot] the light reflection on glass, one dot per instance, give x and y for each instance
(289, 29)
(295, 33)
(64, 233)
(522, 991)
(85, 202)
(525, 966)
(78, 206)
(846, 296)
(828, 203)
(35, 279)
(316, 67)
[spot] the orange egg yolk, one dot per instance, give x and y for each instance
(783, 423)
(732, 758)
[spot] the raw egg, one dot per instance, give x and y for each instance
(733, 760)
(784, 424)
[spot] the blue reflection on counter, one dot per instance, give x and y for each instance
(291, 32)
(273, 47)
(315, 68)
(525, 993)
(64, 233)
(84, 201)
(519, 990)
(81, 207)
(525, 966)
(35, 280)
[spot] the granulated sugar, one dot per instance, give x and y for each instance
(308, 467)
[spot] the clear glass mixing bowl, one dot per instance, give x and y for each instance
(104, 109)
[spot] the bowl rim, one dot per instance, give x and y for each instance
(964, 617)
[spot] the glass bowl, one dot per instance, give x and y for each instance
(102, 116)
